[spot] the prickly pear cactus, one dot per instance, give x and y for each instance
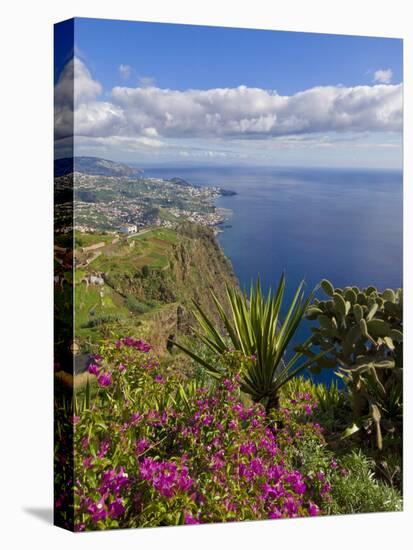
(365, 331)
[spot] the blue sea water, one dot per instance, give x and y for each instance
(343, 225)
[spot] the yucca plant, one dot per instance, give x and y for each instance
(254, 328)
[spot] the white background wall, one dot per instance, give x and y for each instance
(26, 272)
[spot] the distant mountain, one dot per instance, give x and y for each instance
(94, 166)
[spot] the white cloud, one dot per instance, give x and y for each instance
(74, 89)
(125, 70)
(149, 142)
(76, 84)
(98, 119)
(150, 132)
(254, 112)
(153, 114)
(383, 76)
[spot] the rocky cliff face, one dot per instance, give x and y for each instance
(199, 266)
(196, 265)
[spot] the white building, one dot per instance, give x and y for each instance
(129, 228)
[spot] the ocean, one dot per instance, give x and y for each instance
(342, 225)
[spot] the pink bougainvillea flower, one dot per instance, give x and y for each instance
(93, 368)
(105, 379)
(313, 509)
(116, 508)
(140, 345)
(135, 417)
(103, 449)
(275, 514)
(88, 461)
(189, 519)
(167, 477)
(142, 445)
(97, 510)
(308, 409)
(326, 488)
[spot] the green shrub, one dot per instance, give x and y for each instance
(351, 475)
(101, 320)
(355, 489)
(135, 305)
(333, 407)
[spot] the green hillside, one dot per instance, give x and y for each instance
(144, 283)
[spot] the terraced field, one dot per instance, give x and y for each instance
(93, 303)
(100, 305)
(88, 239)
(147, 249)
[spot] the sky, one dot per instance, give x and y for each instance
(158, 94)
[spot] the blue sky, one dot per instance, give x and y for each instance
(163, 93)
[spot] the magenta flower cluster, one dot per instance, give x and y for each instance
(211, 459)
(167, 477)
(109, 502)
(305, 401)
(130, 342)
(103, 376)
(246, 451)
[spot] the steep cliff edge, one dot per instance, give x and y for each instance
(150, 282)
(197, 266)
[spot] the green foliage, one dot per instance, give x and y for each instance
(135, 305)
(256, 331)
(364, 331)
(356, 490)
(351, 475)
(101, 320)
(333, 406)
(87, 239)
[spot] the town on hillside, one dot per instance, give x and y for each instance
(122, 204)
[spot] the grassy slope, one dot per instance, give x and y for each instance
(181, 266)
(87, 239)
(94, 303)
